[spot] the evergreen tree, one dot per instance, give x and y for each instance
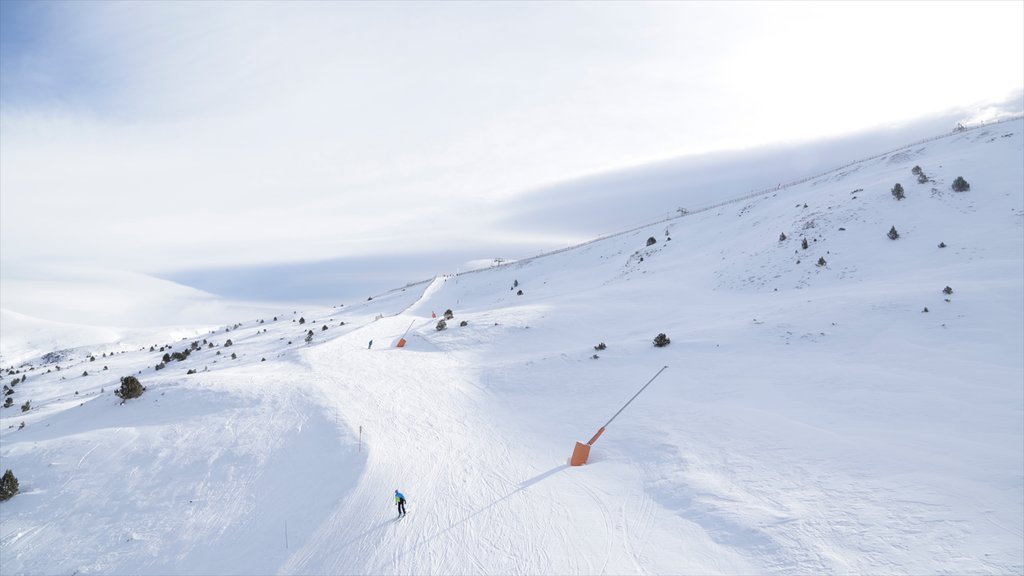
(8, 485)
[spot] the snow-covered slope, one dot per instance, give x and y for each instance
(45, 308)
(813, 419)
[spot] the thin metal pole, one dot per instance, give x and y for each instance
(409, 328)
(635, 395)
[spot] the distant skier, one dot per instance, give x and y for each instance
(400, 502)
(370, 345)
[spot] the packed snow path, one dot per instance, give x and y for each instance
(482, 498)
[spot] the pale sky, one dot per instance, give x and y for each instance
(166, 136)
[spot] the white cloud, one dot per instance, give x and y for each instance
(209, 133)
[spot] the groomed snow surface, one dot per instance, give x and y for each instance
(813, 419)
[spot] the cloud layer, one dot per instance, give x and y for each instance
(161, 136)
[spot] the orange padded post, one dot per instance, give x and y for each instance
(580, 454)
(401, 343)
(582, 451)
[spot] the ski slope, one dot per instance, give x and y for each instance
(813, 419)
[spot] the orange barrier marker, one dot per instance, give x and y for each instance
(582, 451)
(401, 341)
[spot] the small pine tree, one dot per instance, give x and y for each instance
(448, 314)
(230, 343)
(897, 192)
(324, 328)
(916, 171)
(803, 243)
(782, 237)
(26, 406)
(441, 325)
(652, 241)
(9, 402)
(661, 340)
(302, 320)
(821, 261)
(600, 346)
(960, 185)
(947, 290)
(8, 486)
(893, 234)
(130, 388)
(309, 338)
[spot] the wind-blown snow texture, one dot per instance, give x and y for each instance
(813, 419)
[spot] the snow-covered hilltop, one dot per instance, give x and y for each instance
(829, 406)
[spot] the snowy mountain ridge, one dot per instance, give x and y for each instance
(814, 417)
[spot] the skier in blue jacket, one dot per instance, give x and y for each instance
(400, 502)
